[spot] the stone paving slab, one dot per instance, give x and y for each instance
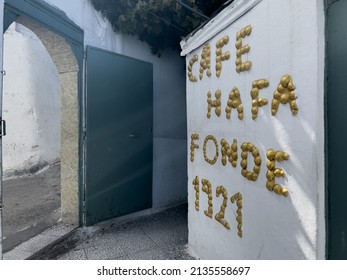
(161, 236)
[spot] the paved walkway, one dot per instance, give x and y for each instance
(161, 236)
(32, 230)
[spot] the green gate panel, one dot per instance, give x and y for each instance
(119, 135)
(337, 129)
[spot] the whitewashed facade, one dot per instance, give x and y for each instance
(255, 88)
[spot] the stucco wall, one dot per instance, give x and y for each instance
(31, 98)
(286, 38)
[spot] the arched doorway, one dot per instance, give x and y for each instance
(63, 50)
(31, 150)
(67, 67)
(54, 130)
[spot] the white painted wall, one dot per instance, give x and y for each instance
(31, 98)
(287, 38)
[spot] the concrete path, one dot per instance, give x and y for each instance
(162, 236)
(32, 230)
(31, 205)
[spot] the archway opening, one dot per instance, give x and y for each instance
(41, 147)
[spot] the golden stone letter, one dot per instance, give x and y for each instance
(241, 50)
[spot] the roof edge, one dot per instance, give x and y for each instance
(212, 27)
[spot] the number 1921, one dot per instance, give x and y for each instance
(220, 190)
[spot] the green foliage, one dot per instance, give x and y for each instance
(160, 23)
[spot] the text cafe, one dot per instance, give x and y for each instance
(254, 133)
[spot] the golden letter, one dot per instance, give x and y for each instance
(246, 148)
(193, 146)
(214, 160)
(220, 215)
(235, 102)
(230, 152)
(197, 192)
(285, 93)
(191, 77)
(273, 172)
(206, 188)
(256, 101)
(214, 103)
(238, 198)
(240, 49)
(205, 63)
(220, 56)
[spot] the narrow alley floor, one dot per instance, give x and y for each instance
(32, 230)
(31, 205)
(161, 236)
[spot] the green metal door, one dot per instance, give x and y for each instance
(337, 129)
(119, 148)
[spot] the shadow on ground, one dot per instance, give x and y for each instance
(32, 211)
(161, 236)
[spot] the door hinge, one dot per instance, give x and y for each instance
(84, 133)
(84, 213)
(2, 127)
(84, 206)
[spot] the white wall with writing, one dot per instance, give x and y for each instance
(286, 38)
